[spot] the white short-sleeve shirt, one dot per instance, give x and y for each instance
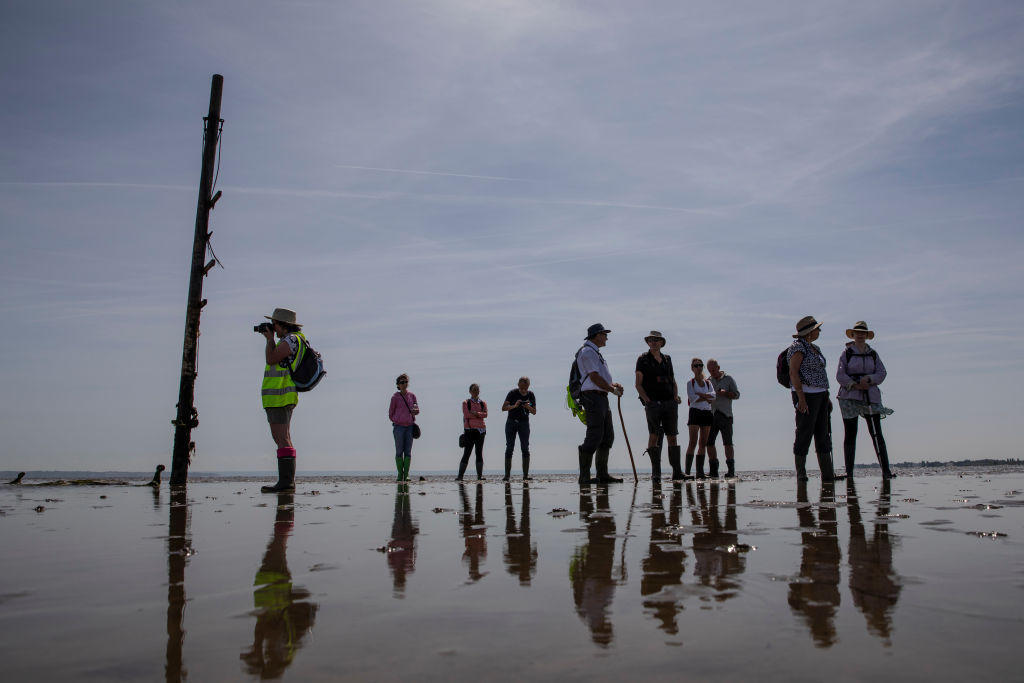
(590, 360)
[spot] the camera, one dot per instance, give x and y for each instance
(262, 327)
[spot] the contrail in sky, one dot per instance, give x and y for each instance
(454, 175)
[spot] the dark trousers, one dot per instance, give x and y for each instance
(850, 442)
(520, 428)
(814, 424)
(474, 439)
(600, 431)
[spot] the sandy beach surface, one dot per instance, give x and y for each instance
(360, 578)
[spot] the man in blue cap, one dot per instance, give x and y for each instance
(597, 384)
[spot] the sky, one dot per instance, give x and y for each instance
(457, 189)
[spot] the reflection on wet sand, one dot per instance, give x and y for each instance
(401, 551)
(283, 614)
(520, 549)
(874, 584)
(178, 550)
(663, 565)
(717, 560)
(590, 569)
(473, 531)
(815, 594)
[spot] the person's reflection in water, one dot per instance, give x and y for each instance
(401, 549)
(816, 594)
(873, 582)
(591, 567)
(520, 550)
(178, 550)
(663, 566)
(715, 552)
(473, 532)
(283, 614)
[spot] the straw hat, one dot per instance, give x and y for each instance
(860, 326)
(283, 315)
(806, 325)
(655, 335)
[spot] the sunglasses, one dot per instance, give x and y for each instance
(404, 381)
(697, 365)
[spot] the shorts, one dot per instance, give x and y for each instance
(720, 422)
(662, 416)
(280, 416)
(699, 418)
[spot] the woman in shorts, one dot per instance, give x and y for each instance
(699, 395)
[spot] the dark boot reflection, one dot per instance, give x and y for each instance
(874, 584)
(474, 532)
(590, 569)
(283, 614)
(663, 566)
(715, 551)
(520, 550)
(815, 596)
(402, 546)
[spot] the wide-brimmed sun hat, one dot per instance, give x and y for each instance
(596, 329)
(860, 326)
(655, 335)
(806, 325)
(283, 315)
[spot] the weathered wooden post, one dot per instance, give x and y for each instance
(187, 418)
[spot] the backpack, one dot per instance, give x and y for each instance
(782, 368)
(574, 391)
(309, 369)
(850, 353)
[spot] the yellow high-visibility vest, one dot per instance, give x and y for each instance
(278, 388)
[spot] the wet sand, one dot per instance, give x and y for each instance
(364, 579)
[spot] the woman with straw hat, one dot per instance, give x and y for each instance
(810, 398)
(859, 373)
(279, 393)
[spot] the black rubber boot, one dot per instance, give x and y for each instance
(713, 466)
(526, 468)
(462, 468)
(849, 455)
(585, 461)
(801, 467)
(508, 469)
(673, 460)
(285, 477)
(689, 466)
(731, 468)
(655, 453)
(700, 466)
(602, 468)
(825, 465)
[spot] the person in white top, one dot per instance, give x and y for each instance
(700, 393)
(597, 384)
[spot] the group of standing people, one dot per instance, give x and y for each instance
(709, 401)
(859, 373)
(520, 404)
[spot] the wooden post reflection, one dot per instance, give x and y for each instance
(179, 548)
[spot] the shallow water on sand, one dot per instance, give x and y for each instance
(362, 579)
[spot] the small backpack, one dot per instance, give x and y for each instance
(574, 391)
(782, 369)
(310, 368)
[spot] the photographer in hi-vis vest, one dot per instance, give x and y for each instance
(278, 391)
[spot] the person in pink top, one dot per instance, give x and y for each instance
(402, 412)
(474, 411)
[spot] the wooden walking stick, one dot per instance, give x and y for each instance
(636, 479)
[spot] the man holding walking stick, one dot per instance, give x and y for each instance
(597, 384)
